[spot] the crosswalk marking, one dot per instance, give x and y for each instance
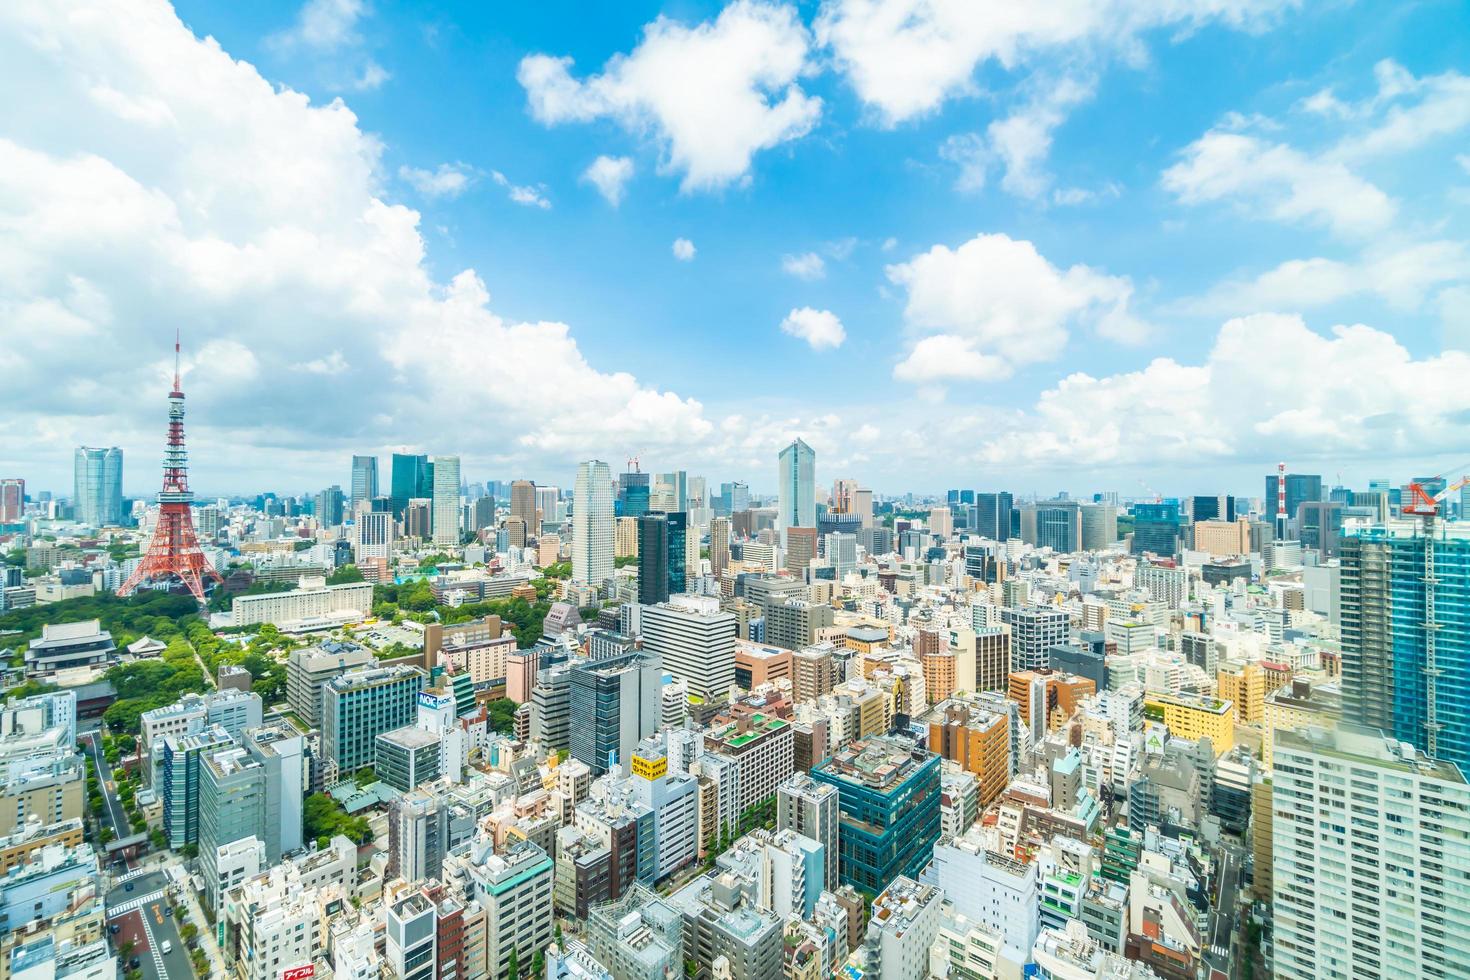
(137, 903)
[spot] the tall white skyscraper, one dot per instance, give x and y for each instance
(593, 527)
(445, 513)
(796, 474)
(1370, 841)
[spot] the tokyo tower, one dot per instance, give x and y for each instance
(174, 551)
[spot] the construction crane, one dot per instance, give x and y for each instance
(1158, 497)
(632, 464)
(1426, 507)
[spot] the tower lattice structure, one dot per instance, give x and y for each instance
(174, 549)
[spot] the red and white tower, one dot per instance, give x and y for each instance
(1281, 515)
(174, 551)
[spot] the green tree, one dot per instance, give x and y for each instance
(513, 969)
(502, 715)
(538, 964)
(344, 575)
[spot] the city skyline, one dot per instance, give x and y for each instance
(1116, 247)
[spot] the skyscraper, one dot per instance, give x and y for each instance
(409, 480)
(796, 477)
(329, 506)
(446, 501)
(592, 524)
(1405, 649)
(719, 545)
(633, 493)
(98, 485)
(364, 481)
(653, 559)
(678, 552)
(993, 515)
(523, 505)
(1299, 487)
(12, 499)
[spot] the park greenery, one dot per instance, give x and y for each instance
(322, 818)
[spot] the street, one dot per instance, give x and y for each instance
(1223, 918)
(115, 816)
(142, 914)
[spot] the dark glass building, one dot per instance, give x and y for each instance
(993, 516)
(653, 558)
(412, 477)
(1156, 528)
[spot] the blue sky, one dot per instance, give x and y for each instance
(1180, 201)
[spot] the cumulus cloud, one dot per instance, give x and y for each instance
(711, 96)
(905, 57)
(1240, 405)
(995, 302)
(819, 328)
(807, 265)
(1405, 113)
(1289, 185)
(683, 250)
(610, 175)
(445, 180)
(1402, 275)
(255, 221)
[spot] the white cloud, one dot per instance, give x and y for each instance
(1408, 112)
(372, 77)
(610, 176)
(445, 180)
(1403, 275)
(324, 25)
(905, 57)
(683, 250)
(807, 265)
(995, 302)
(945, 357)
(1289, 184)
(1019, 144)
(712, 95)
(819, 328)
(523, 194)
(256, 221)
(333, 363)
(1241, 405)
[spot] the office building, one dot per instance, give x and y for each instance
(762, 750)
(523, 504)
(515, 889)
(231, 808)
(653, 559)
(409, 479)
(313, 599)
(796, 487)
(1194, 717)
(1300, 487)
(795, 623)
(993, 516)
(374, 531)
(364, 486)
(694, 641)
(613, 705)
(308, 669)
(813, 672)
(360, 705)
(1223, 537)
(1371, 840)
(12, 500)
(97, 490)
(1035, 630)
(632, 494)
(592, 524)
(1099, 526)
(445, 516)
(1406, 647)
(801, 549)
(974, 732)
(407, 757)
(179, 779)
(811, 809)
(888, 792)
(1157, 528)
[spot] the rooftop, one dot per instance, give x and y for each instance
(882, 762)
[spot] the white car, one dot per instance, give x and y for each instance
(167, 947)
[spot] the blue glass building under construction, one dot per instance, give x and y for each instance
(1406, 635)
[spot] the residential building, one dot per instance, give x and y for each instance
(811, 809)
(762, 750)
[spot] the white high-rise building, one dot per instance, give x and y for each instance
(374, 531)
(593, 524)
(445, 513)
(1371, 841)
(796, 481)
(694, 640)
